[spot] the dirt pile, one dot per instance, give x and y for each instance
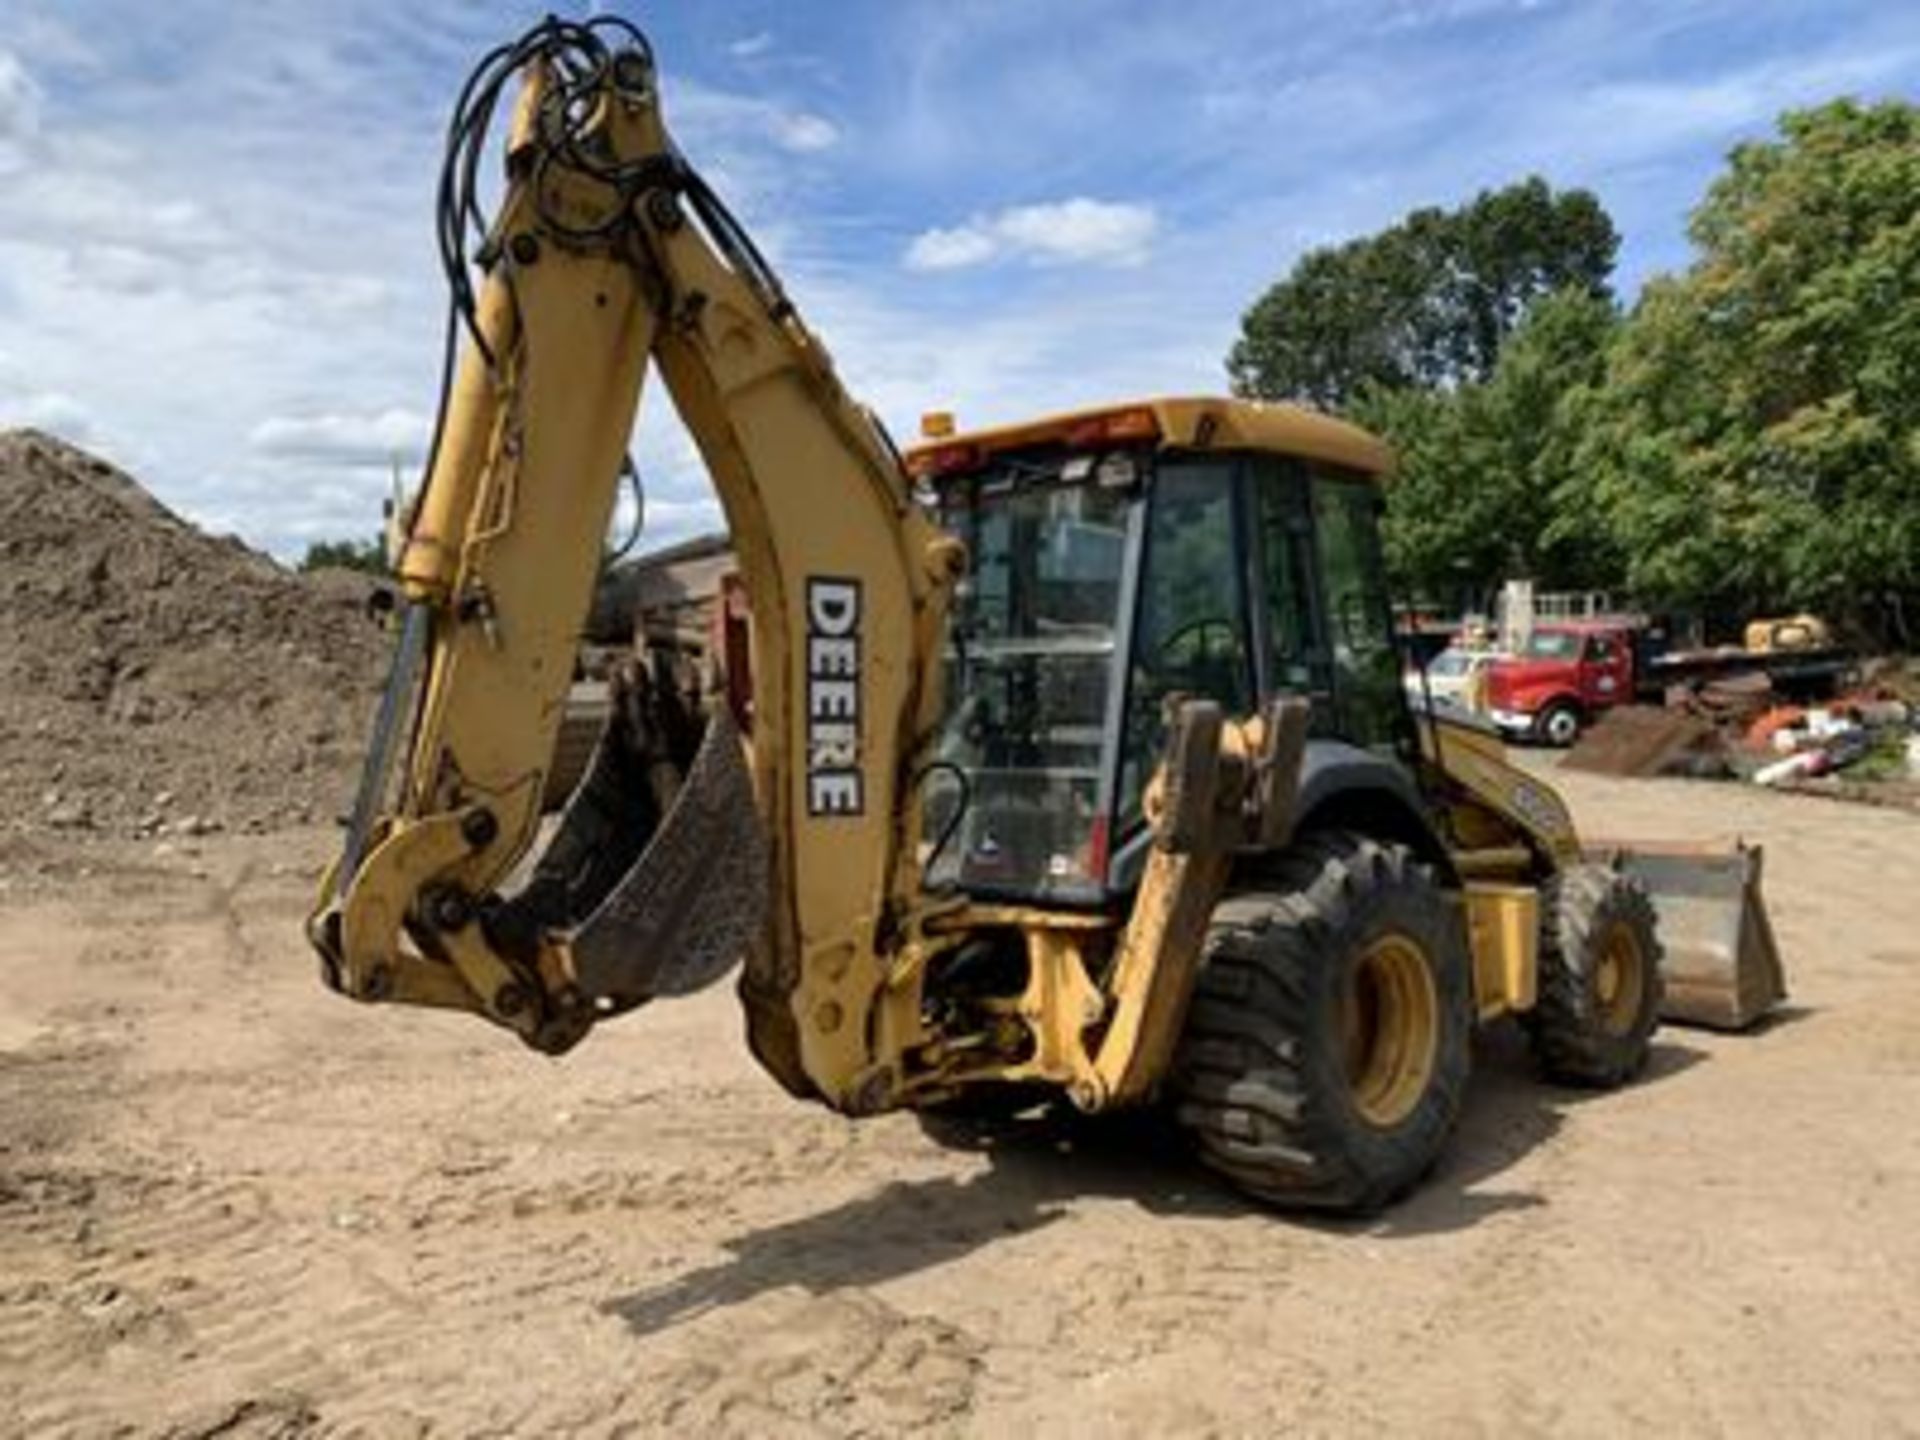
(158, 680)
(1649, 740)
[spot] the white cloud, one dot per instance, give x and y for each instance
(51, 410)
(953, 249)
(1076, 232)
(803, 132)
(1651, 117)
(714, 116)
(1081, 230)
(59, 205)
(20, 100)
(749, 46)
(23, 403)
(671, 520)
(355, 440)
(124, 268)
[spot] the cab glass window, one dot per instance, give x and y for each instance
(1280, 508)
(1189, 635)
(1359, 610)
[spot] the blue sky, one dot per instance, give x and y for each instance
(216, 262)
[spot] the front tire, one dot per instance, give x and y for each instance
(1326, 1051)
(1599, 978)
(1559, 724)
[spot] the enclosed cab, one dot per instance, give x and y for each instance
(1120, 558)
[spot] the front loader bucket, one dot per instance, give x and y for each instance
(1720, 964)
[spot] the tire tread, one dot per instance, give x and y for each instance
(1250, 1082)
(1569, 1041)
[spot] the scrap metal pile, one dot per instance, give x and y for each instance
(1868, 739)
(1863, 744)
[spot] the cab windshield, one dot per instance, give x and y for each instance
(1029, 672)
(1552, 645)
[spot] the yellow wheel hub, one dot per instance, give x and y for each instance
(1391, 1030)
(1620, 980)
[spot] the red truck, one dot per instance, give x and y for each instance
(1563, 675)
(1570, 671)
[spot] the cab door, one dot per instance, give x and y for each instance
(1604, 672)
(1356, 607)
(1190, 636)
(1290, 635)
(1323, 612)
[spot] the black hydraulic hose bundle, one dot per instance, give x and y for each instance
(580, 57)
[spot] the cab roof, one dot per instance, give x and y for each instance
(1171, 422)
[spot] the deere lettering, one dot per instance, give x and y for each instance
(833, 697)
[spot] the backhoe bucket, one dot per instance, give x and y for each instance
(658, 872)
(687, 911)
(1720, 964)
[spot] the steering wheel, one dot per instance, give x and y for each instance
(1197, 628)
(1170, 677)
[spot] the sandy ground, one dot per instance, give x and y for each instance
(231, 1203)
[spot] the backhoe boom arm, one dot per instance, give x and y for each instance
(610, 260)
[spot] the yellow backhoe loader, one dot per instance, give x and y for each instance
(1077, 763)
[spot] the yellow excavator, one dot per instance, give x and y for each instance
(1077, 763)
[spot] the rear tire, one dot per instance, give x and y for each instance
(1559, 725)
(1326, 1051)
(1599, 978)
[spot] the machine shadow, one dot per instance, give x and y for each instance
(1781, 1017)
(1037, 1169)
(1510, 1112)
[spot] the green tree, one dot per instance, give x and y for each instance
(1427, 302)
(1488, 484)
(368, 555)
(1756, 445)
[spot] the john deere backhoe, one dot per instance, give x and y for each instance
(1077, 763)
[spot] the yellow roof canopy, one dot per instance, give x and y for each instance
(1173, 422)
